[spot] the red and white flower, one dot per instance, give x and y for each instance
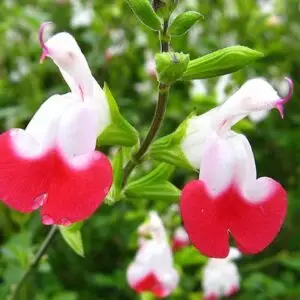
(152, 269)
(52, 164)
(228, 199)
(221, 276)
(180, 239)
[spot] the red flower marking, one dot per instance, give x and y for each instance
(67, 191)
(208, 220)
(150, 283)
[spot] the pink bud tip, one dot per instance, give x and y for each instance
(42, 41)
(282, 101)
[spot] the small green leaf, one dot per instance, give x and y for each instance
(189, 256)
(184, 22)
(171, 66)
(164, 8)
(73, 238)
(120, 131)
(115, 191)
(147, 296)
(168, 148)
(221, 62)
(155, 185)
(145, 13)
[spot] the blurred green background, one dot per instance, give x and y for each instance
(108, 29)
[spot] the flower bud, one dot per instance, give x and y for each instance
(171, 66)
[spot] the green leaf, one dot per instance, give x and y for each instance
(120, 131)
(184, 22)
(171, 66)
(190, 256)
(164, 8)
(221, 62)
(155, 185)
(115, 191)
(145, 13)
(73, 238)
(291, 262)
(168, 148)
(147, 296)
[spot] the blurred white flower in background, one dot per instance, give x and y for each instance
(119, 43)
(198, 88)
(266, 6)
(221, 276)
(144, 87)
(152, 269)
(220, 88)
(82, 14)
(150, 67)
(180, 239)
(141, 39)
(22, 69)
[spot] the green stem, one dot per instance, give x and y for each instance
(163, 93)
(262, 264)
(49, 238)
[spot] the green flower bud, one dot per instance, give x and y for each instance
(171, 66)
(221, 62)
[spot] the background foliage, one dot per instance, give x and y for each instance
(109, 236)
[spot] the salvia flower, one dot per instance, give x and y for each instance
(221, 276)
(228, 198)
(180, 239)
(52, 164)
(152, 269)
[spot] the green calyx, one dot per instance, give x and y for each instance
(171, 66)
(120, 131)
(168, 148)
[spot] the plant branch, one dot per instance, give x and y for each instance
(49, 238)
(163, 93)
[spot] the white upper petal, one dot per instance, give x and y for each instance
(199, 129)
(43, 127)
(77, 132)
(255, 95)
(67, 55)
(245, 168)
(217, 165)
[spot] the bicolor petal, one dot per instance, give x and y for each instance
(24, 171)
(77, 188)
(253, 96)
(209, 220)
(52, 164)
(152, 269)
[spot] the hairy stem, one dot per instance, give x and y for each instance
(163, 93)
(49, 238)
